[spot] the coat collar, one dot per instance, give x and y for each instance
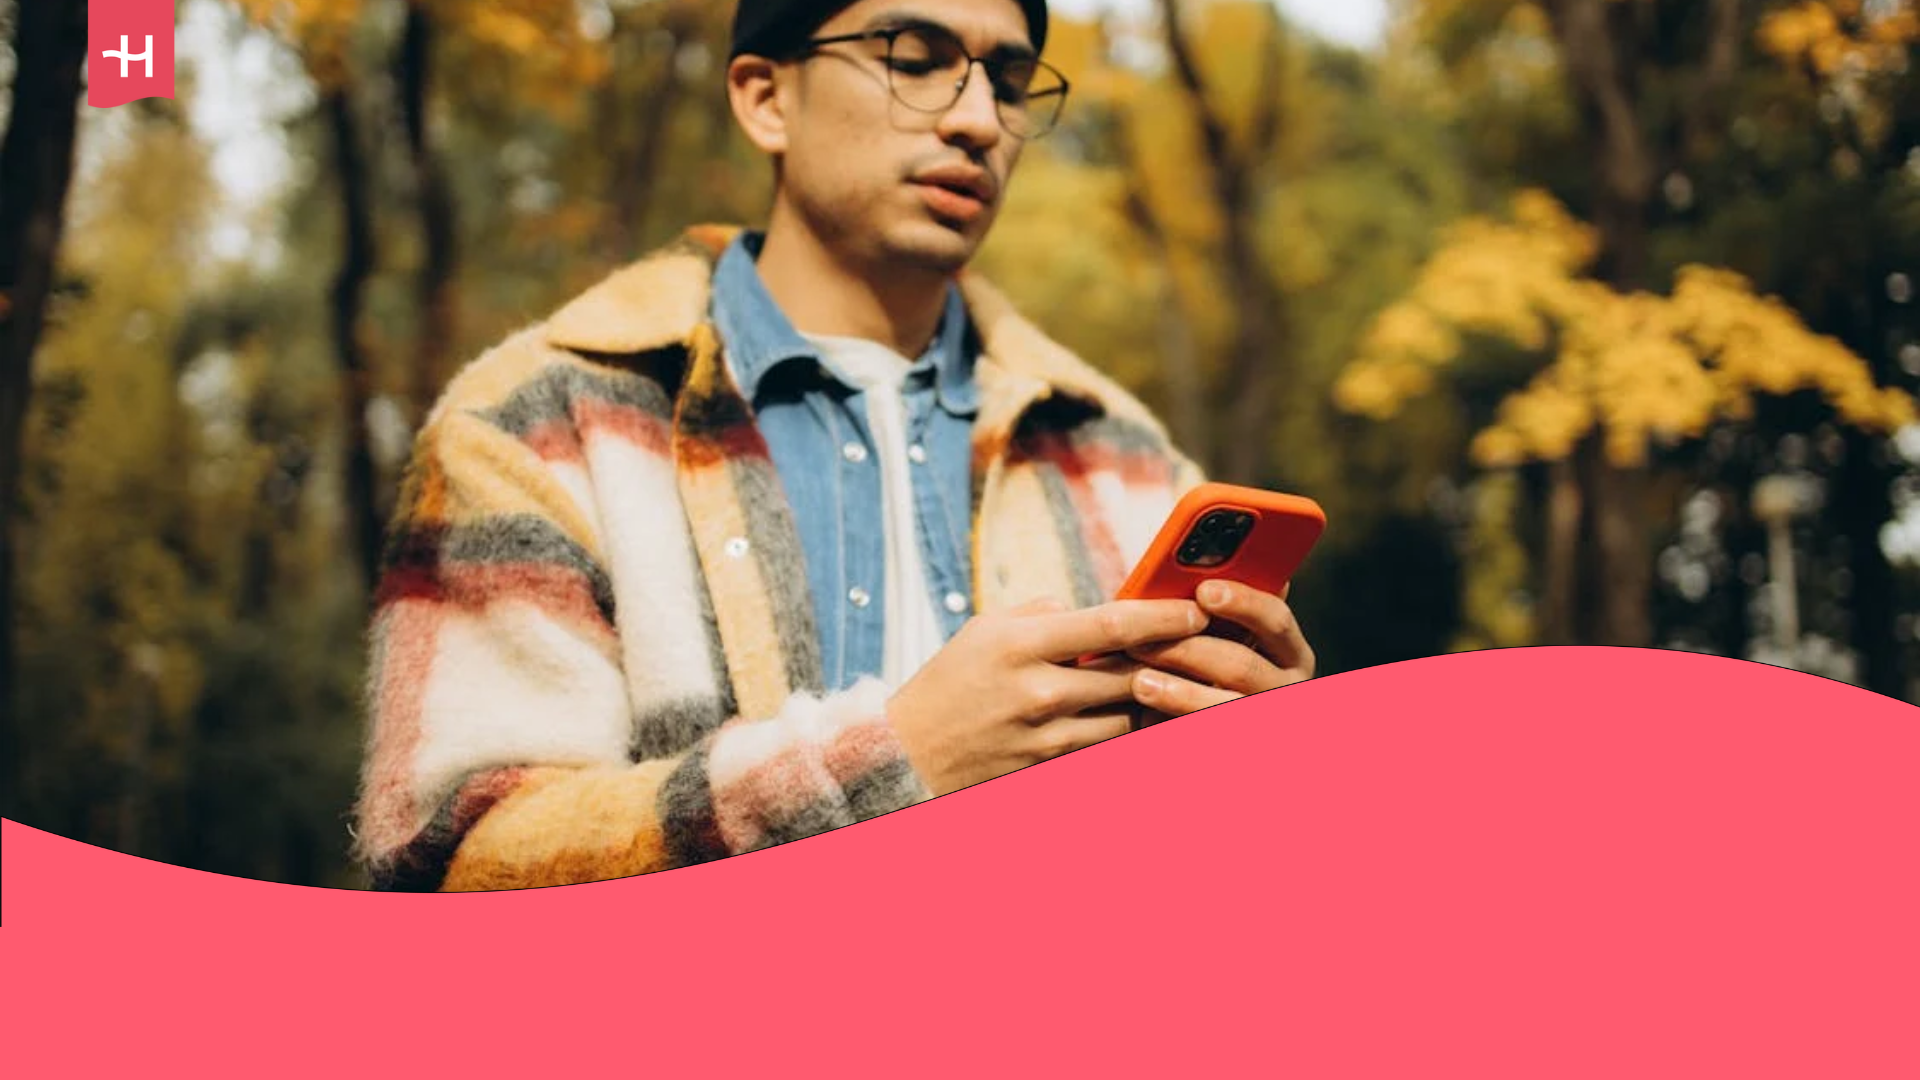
(660, 301)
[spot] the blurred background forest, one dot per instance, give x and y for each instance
(1588, 321)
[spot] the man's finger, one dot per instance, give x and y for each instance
(1046, 605)
(1176, 696)
(1110, 664)
(1070, 691)
(1064, 736)
(1276, 631)
(1147, 718)
(1215, 662)
(1116, 627)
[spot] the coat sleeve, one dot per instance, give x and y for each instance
(1187, 475)
(500, 724)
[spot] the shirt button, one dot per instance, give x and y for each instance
(854, 452)
(956, 603)
(917, 454)
(859, 597)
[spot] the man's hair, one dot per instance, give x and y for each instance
(778, 28)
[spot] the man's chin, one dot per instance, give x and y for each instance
(936, 245)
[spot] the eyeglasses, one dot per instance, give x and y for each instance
(928, 70)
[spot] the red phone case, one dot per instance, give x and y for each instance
(1285, 529)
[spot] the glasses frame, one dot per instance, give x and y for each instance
(892, 34)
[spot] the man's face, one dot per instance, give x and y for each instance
(881, 182)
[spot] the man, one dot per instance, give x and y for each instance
(706, 563)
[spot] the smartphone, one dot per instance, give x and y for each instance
(1254, 537)
(1257, 538)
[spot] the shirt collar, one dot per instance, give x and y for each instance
(760, 338)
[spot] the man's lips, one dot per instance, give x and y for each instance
(973, 183)
(948, 203)
(955, 193)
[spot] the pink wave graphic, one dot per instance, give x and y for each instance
(1538, 863)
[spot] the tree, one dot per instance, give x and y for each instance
(1851, 79)
(1629, 372)
(36, 167)
(112, 607)
(1647, 81)
(1256, 364)
(322, 34)
(1640, 114)
(438, 316)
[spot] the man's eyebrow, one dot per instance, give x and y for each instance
(908, 20)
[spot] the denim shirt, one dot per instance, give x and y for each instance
(814, 420)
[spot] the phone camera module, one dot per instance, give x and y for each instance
(1216, 538)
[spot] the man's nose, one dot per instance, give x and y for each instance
(976, 116)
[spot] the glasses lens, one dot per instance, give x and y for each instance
(925, 68)
(1030, 105)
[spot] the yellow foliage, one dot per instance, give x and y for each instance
(539, 41)
(1063, 245)
(102, 543)
(1836, 37)
(1513, 57)
(319, 29)
(1642, 369)
(1079, 50)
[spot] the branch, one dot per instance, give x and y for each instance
(1262, 329)
(1591, 52)
(1706, 113)
(1213, 131)
(1266, 120)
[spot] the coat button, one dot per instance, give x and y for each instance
(859, 597)
(917, 454)
(956, 603)
(738, 547)
(854, 452)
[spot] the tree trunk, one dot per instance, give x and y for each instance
(1866, 504)
(636, 173)
(1560, 570)
(36, 169)
(1599, 47)
(349, 284)
(1623, 555)
(1251, 377)
(435, 286)
(1179, 358)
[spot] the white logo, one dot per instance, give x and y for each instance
(125, 56)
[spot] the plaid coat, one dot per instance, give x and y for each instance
(593, 651)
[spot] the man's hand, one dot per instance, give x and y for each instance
(1002, 695)
(1200, 672)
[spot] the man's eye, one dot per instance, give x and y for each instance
(1013, 84)
(907, 65)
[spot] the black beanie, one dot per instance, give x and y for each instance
(776, 28)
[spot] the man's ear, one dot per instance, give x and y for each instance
(759, 104)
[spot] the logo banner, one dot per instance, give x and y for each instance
(129, 51)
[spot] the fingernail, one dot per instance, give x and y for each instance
(1153, 682)
(1215, 592)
